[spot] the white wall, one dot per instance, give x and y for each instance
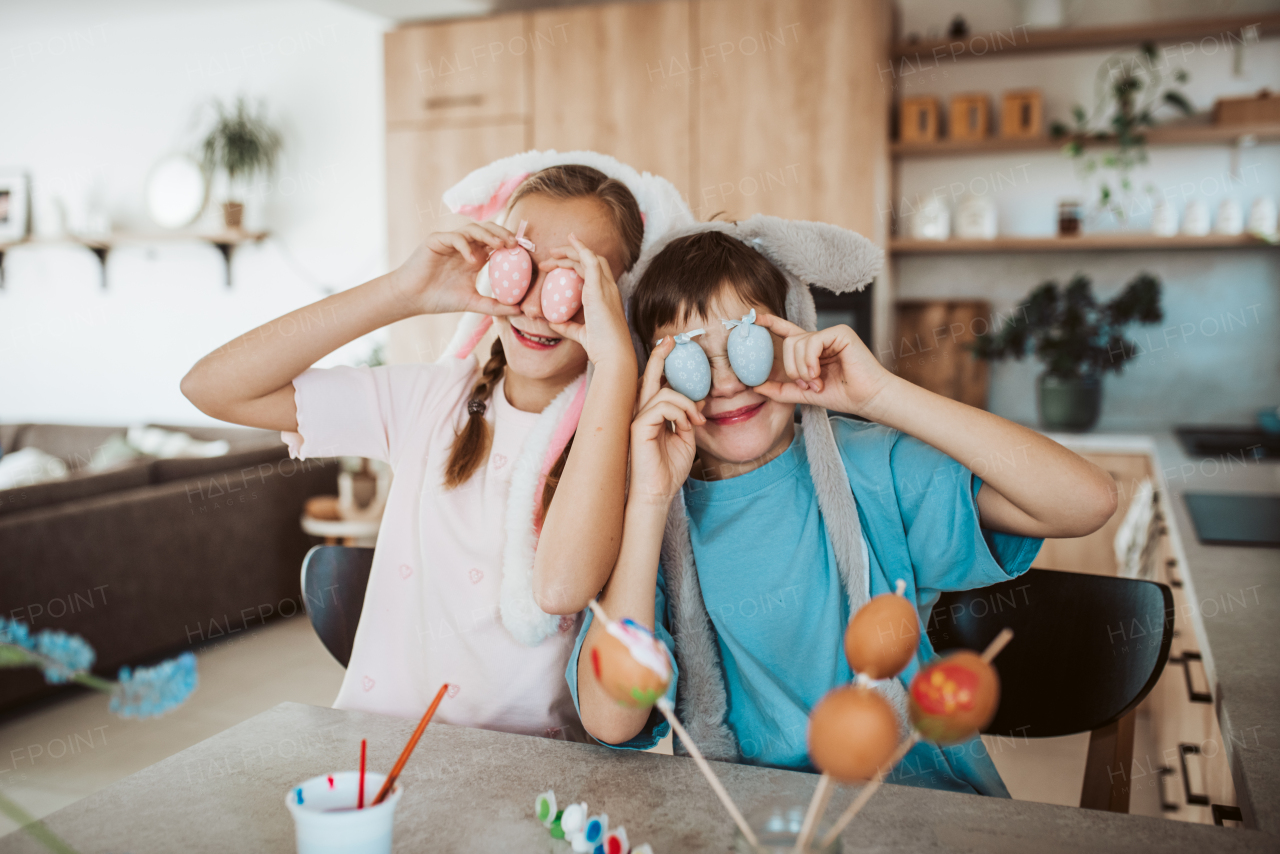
(1194, 377)
(91, 96)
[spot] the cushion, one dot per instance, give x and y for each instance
(77, 486)
(180, 468)
(75, 444)
(10, 435)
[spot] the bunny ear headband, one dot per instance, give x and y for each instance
(809, 254)
(483, 195)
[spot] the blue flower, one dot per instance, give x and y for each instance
(14, 632)
(149, 692)
(70, 654)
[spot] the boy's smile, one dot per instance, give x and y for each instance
(744, 429)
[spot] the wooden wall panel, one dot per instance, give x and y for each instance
(931, 348)
(421, 165)
(792, 117)
(460, 72)
(605, 86)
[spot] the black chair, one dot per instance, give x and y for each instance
(1086, 650)
(334, 579)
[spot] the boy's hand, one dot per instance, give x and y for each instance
(603, 332)
(830, 368)
(440, 275)
(661, 458)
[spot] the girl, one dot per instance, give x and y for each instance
(456, 594)
(775, 534)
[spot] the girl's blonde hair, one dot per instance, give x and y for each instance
(471, 447)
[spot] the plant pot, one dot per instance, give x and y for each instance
(233, 215)
(1071, 404)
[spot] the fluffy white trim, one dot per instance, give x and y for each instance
(528, 623)
(659, 200)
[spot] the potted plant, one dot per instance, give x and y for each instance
(1128, 91)
(242, 144)
(1077, 339)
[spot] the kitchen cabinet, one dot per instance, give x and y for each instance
(747, 106)
(606, 89)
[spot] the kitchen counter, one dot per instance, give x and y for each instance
(1234, 592)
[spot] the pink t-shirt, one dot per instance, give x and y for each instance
(431, 610)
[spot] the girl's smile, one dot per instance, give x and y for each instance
(535, 342)
(735, 416)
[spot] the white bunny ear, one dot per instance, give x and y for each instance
(484, 193)
(815, 253)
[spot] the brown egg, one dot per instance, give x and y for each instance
(882, 637)
(954, 697)
(852, 732)
(631, 682)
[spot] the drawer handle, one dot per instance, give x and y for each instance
(1170, 564)
(1166, 805)
(1192, 797)
(1185, 660)
(445, 102)
(1222, 812)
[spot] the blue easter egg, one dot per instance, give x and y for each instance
(688, 371)
(751, 353)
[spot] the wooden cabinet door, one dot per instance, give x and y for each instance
(458, 72)
(421, 165)
(605, 88)
(792, 117)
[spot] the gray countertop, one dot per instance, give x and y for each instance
(470, 790)
(1234, 593)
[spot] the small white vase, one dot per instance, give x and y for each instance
(1230, 218)
(1195, 219)
(932, 221)
(1262, 216)
(1042, 14)
(976, 218)
(1164, 219)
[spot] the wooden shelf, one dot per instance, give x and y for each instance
(1184, 133)
(1020, 40)
(225, 241)
(1106, 242)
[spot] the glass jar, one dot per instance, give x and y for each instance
(777, 826)
(1070, 213)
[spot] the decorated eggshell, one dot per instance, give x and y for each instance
(953, 698)
(561, 295)
(750, 350)
(853, 731)
(631, 665)
(882, 637)
(509, 273)
(687, 369)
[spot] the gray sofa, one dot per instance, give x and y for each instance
(152, 556)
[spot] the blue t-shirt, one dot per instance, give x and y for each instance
(769, 579)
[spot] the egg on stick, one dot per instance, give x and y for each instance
(625, 662)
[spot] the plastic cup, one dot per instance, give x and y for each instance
(327, 822)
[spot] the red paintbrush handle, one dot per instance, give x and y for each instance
(408, 748)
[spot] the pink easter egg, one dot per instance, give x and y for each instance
(561, 295)
(509, 273)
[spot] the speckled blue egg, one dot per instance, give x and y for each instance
(687, 370)
(751, 353)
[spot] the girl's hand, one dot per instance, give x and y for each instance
(603, 333)
(830, 368)
(440, 275)
(660, 457)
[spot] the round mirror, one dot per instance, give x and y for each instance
(176, 191)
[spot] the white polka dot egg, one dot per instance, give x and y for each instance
(561, 295)
(510, 271)
(687, 369)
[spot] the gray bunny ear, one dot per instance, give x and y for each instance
(815, 253)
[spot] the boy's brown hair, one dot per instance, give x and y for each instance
(690, 272)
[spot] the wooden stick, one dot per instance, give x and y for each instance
(869, 789)
(993, 649)
(817, 806)
(998, 643)
(408, 748)
(664, 706)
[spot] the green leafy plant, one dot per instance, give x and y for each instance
(241, 143)
(1070, 331)
(1128, 92)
